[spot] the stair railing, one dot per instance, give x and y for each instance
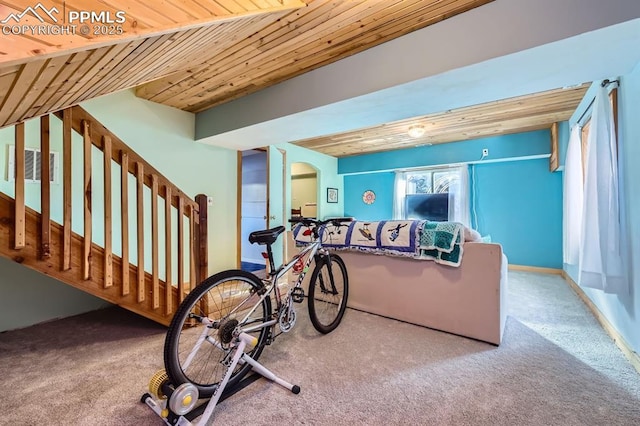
(151, 293)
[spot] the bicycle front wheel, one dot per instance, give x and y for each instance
(199, 344)
(328, 292)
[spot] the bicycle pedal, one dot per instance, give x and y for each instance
(297, 295)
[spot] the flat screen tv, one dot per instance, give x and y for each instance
(434, 207)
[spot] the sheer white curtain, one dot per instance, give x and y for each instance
(572, 199)
(400, 191)
(459, 197)
(601, 263)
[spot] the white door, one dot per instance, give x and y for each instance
(276, 216)
(253, 206)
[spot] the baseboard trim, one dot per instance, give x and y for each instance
(538, 269)
(628, 352)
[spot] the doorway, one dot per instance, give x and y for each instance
(304, 190)
(253, 207)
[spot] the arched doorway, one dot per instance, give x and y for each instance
(304, 190)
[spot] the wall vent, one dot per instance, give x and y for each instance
(32, 164)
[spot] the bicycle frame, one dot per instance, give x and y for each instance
(271, 283)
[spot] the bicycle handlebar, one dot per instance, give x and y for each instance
(336, 221)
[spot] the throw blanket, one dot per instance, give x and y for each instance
(395, 237)
(442, 242)
(418, 239)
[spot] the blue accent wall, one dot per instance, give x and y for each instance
(381, 184)
(519, 203)
(500, 148)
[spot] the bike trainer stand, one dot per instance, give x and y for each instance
(177, 405)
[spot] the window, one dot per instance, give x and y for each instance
(586, 127)
(32, 165)
(594, 234)
(437, 194)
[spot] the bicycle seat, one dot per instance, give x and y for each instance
(268, 236)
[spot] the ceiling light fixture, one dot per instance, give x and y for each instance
(416, 131)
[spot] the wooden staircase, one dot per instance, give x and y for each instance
(32, 239)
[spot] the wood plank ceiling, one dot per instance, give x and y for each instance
(34, 85)
(303, 40)
(192, 54)
(520, 114)
(195, 54)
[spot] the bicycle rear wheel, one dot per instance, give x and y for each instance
(195, 352)
(328, 293)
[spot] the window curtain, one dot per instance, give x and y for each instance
(601, 263)
(572, 199)
(400, 191)
(459, 197)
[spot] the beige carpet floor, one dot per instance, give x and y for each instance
(556, 366)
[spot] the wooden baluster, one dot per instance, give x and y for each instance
(202, 237)
(20, 235)
(124, 213)
(155, 271)
(180, 248)
(167, 231)
(108, 237)
(86, 258)
(201, 245)
(45, 188)
(192, 248)
(66, 177)
(140, 213)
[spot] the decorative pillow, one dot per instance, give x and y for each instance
(471, 235)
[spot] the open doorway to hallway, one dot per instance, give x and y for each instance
(253, 207)
(304, 190)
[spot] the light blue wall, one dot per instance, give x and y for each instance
(164, 137)
(327, 176)
(519, 203)
(564, 131)
(623, 311)
(381, 184)
(28, 297)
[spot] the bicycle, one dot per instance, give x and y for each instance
(233, 309)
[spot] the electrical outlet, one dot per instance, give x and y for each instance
(485, 152)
